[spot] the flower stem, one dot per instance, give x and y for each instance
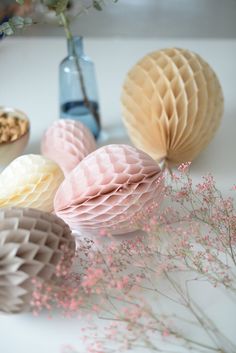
(69, 36)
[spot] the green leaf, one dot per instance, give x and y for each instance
(21, 2)
(58, 6)
(10, 27)
(97, 5)
(17, 22)
(51, 4)
(28, 21)
(61, 6)
(6, 29)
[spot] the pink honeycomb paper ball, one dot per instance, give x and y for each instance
(110, 190)
(67, 142)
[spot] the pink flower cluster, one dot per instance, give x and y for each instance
(192, 240)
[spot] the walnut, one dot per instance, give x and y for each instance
(12, 127)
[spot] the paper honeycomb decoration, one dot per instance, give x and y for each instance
(172, 105)
(112, 189)
(67, 142)
(31, 246)
(30, 181)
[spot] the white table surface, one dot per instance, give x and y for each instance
(29, 81)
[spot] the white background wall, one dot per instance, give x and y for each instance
(156, 18)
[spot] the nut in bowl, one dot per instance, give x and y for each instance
(14, 134)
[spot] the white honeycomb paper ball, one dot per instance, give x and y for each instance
(30, 181)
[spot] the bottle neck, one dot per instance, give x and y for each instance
(77, 42)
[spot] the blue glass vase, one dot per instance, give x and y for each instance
(78, 88)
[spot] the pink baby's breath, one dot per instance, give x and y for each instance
(194, 236)
(93, 276)
(184, 167)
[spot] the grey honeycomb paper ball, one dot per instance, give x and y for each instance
(31, 246)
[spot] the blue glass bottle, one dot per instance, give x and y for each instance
(73, 104)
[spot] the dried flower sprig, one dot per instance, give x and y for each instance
(59, 7)
(144, 287)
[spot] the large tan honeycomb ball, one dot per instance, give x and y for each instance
(172, 105)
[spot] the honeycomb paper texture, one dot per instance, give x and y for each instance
(172, 105)
(30, 247)
(30, 181)
(110, 189)
(67, 142)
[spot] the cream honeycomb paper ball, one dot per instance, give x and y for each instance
(30, 181)
(172, 105)
(31, 246)
(112, 189)
(67, 142)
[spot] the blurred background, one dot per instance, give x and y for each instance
(143, 18)
(116, 38)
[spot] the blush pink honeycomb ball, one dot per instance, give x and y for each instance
(67, 142)
(109, 190)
